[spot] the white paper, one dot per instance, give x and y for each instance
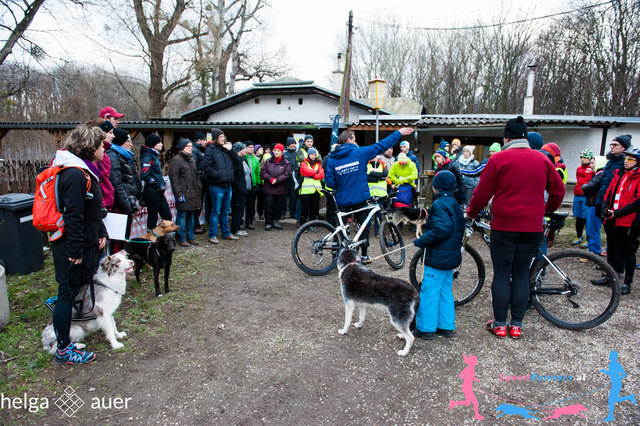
(116, 225)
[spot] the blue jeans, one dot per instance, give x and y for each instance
(594, 223)
(184, 219)
(220, 208)
(436, 310)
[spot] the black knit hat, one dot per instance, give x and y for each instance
(106, 126)
(291, 141)
(215, 134)
(625, 140)
(182, 143)
(516, 128)
(120, 136)
(198, 136)
(308, 137)
(152, 140)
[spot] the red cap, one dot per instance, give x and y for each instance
(279, 146)
(109, 112)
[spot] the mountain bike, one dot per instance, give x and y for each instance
(316, 244)
(560, 283)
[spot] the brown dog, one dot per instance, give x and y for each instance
(165, 227)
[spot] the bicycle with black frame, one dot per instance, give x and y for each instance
(560, 283)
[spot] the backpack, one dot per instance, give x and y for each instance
(46, 211)
(403, 198)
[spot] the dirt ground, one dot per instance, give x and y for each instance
(262, 347)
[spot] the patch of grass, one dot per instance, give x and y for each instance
(22, 358)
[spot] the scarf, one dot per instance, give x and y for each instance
(92, 166)
(465, 161)
(122, 151)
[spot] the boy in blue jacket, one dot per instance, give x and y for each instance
(441, 242)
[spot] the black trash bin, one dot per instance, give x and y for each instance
(20, 242)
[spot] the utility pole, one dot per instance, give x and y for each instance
(345, 94)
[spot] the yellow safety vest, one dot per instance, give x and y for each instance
(377, 189)
(563, 175)
(311, 185)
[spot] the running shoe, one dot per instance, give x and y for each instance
(500, 331)
(514, 331)
(71, 355)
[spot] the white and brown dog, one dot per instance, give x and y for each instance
(362, 287)
(417, 217)
(110, 285)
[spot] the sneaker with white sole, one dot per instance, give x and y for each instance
(71, 355)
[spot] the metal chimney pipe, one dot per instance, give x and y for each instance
(528, 100)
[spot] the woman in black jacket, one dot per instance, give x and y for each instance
(154, 184)
(187, 190)
(75, 254)
(124, 177)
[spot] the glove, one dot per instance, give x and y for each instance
(418, 243)
(134, 205)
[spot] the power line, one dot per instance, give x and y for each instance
(519, 21)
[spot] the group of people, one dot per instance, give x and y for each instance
(242, 179)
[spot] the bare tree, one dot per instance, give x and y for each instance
(14, 21)
(227, 53)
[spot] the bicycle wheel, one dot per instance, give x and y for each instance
(391, 239)
(468, 278)
(562, 291)
(312, 249)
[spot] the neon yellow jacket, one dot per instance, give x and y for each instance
(400, 174)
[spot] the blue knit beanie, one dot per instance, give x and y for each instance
(444, 181)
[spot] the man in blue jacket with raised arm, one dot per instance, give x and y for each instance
(346, 173)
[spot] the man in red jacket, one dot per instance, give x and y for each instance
(516, 178)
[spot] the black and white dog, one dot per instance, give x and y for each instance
(362, 287)
(412, 215)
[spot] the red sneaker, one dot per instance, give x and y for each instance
(514, 331)
(500, 332)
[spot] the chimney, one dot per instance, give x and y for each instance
(528, 100)
(336, 78)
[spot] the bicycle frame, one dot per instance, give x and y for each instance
(344, 227)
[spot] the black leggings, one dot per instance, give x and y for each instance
(310, 207)
(77, 276)
(272, 208)
(580, 223)
(156, 203)
(511, 254)
(360, 218)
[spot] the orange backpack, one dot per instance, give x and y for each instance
(47, 216)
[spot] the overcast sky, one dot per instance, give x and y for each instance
(309, 30)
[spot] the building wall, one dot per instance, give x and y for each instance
(314, 109)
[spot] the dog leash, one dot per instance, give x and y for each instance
(388, 253)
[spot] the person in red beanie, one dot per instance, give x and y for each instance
(275, 173)
(110, 114)
(516, 178)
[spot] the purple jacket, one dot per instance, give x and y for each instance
(281, 171)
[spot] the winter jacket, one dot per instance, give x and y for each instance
(239, 183)
(186, 186)
(626, 214)
(444, 229)
(124, 178)
(583, 175)
(517, 178)
(151, 170)
(254, 165)
(453, 168)
(218, 165)
(413, 158)
(400, 174)
(291, 156)
(198, 154)
(280, 171)
(346, 170)
(104, 165)
(615, 162)
(83, 225)
(591, 188)
(312, 174)
(471, 165)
